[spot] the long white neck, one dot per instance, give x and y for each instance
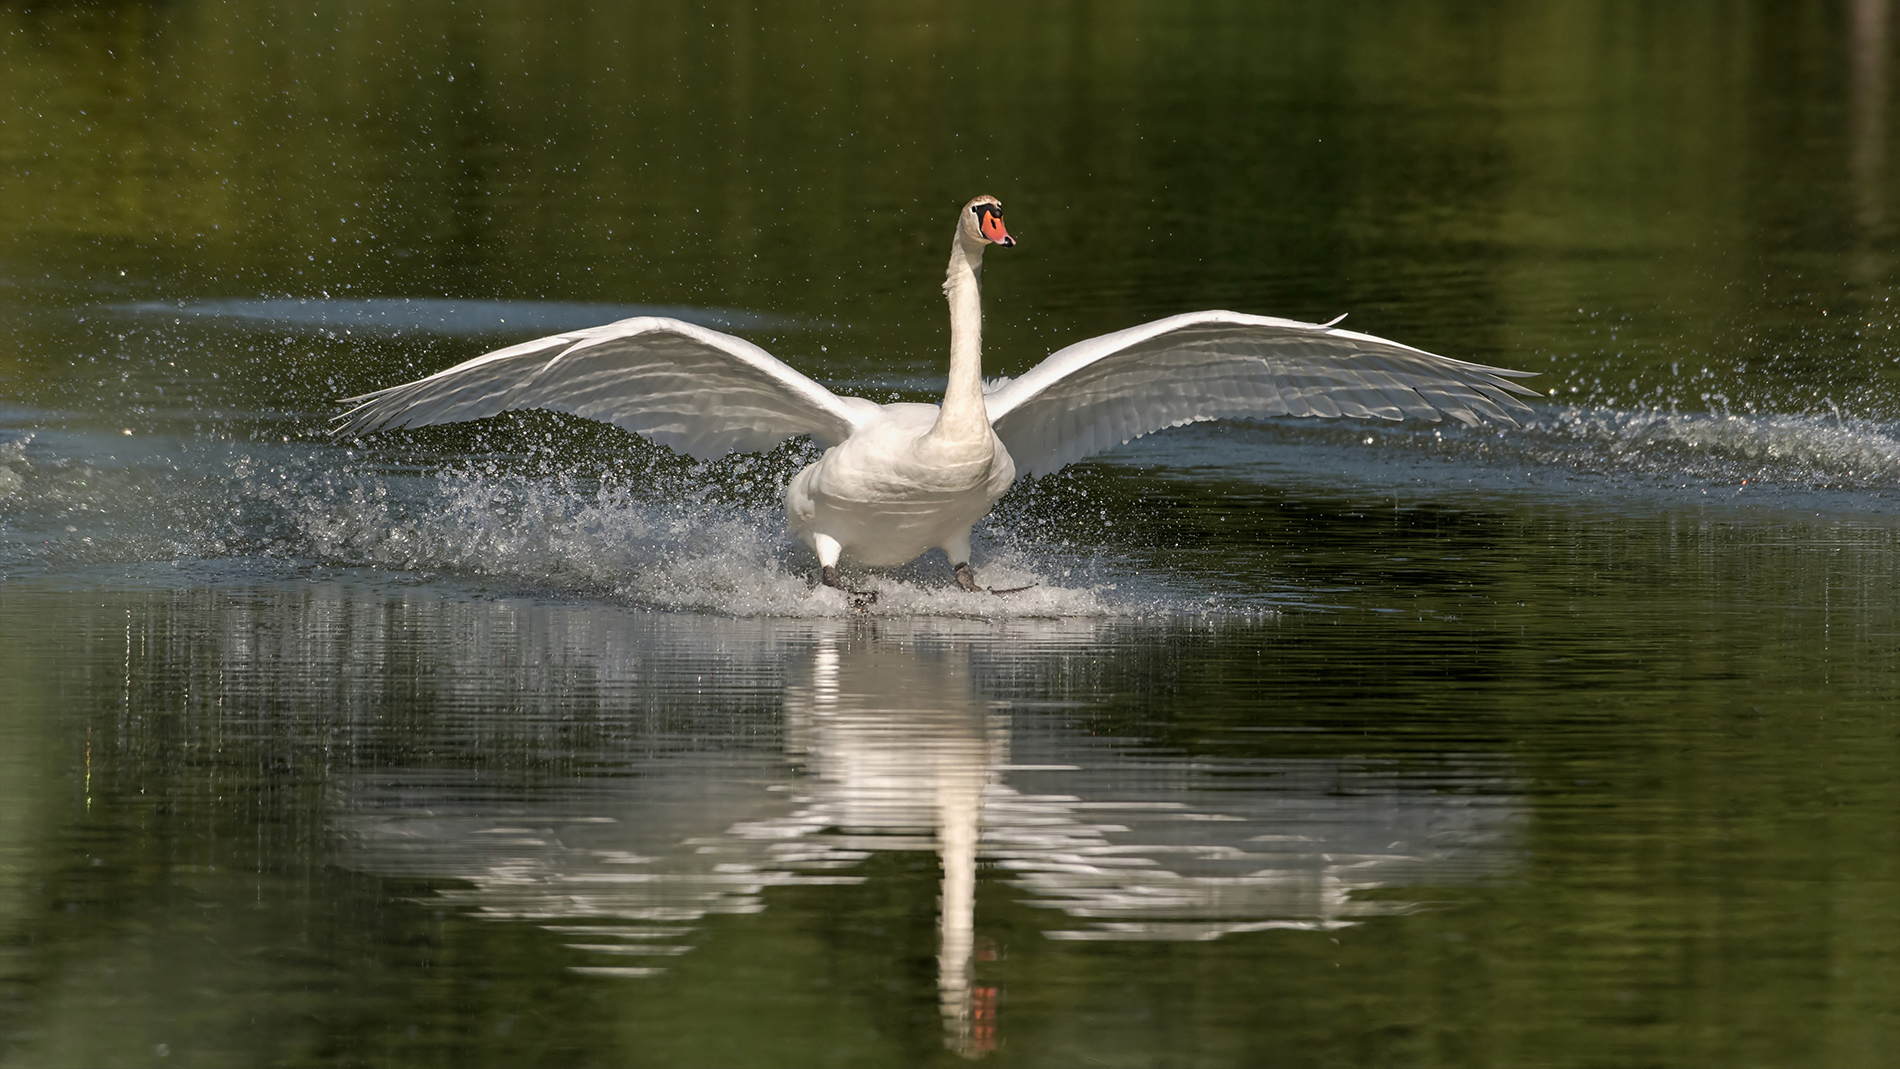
(963, 417)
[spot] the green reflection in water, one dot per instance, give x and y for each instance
(1652, 201)
(1685, 708)
(1703, 865)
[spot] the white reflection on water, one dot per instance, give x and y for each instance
(889, 743)
(904, 754)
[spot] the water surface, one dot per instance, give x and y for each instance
(1314, 742)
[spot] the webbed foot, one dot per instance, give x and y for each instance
(966, 578)
(859, 598)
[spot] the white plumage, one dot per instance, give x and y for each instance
(898, 480)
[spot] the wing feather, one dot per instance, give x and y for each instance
(696, 390)
(1222, 365)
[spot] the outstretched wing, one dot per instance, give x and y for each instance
(699, 391)
(1214, 365)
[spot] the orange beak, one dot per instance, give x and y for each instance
(993, 229)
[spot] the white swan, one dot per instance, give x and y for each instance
(899, 480)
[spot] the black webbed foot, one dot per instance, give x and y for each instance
(966, 578)
(859, 598)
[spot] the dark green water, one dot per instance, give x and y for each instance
(1317, 742)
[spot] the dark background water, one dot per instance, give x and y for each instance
(1317, 742)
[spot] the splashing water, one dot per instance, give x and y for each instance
(702, 538)
(693, 552)
(652, 530)
(1806, 451)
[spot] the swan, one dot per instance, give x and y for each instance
(898, 480)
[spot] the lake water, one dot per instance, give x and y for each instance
(1315, 742)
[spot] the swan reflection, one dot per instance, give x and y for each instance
(903, 754)
(889, 744)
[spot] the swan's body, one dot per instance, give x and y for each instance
(898, 480)
(891, 493)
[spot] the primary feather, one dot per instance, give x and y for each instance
(1199, 366)
(696, 390)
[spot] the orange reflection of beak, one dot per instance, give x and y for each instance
(993, 229)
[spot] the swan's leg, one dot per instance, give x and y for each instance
(966, 577)
(828, 553)
(959, 550)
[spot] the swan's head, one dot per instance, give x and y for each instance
(983, 223)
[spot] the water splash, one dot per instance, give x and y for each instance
(1808, 451)
(689, 551)
(667, 535)
(1646, 458)
(12, 465)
